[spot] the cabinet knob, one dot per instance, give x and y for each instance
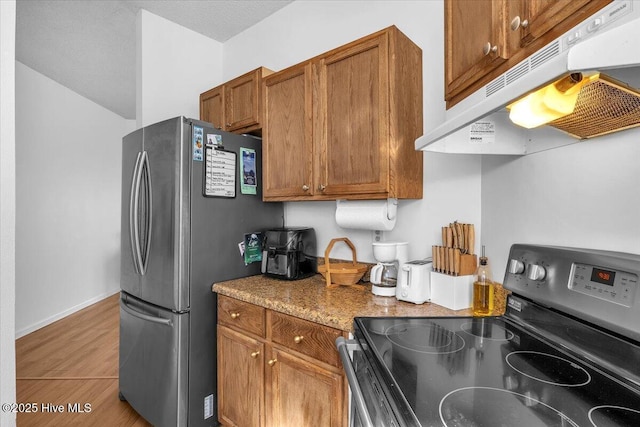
(272, 362)
(489, 49)
(228, 125)
(235, 315)
(305, 187)
(255, 354)
(517, 23)
(298, 339)
(321, 187)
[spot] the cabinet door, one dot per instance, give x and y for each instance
(212, 107)
(544, 15)
(302, 394)
(242, 100)
(477, 40)
(287, 134)
(352, 119)
(240, 379)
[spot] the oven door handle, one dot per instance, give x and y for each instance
(343, 349)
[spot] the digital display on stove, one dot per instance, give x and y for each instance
(604, 277)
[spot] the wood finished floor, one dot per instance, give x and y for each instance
(74, 360)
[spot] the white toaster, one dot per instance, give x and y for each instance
(415, 285)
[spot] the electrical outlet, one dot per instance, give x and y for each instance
(377, 236)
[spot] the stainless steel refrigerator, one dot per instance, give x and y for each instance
(190, 194)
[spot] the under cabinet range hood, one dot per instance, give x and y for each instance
(597, 62)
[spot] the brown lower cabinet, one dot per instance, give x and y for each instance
(277, 370)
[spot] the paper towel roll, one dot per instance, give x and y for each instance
(367, 214)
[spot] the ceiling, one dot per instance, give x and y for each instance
(89, 46)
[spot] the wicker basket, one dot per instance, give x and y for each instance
(342, 273)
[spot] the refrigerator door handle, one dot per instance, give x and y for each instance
(143, 316)
(148, 211)
(133, 215)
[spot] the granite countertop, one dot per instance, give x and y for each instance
(336, 307)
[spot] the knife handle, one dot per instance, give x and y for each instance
(454, 231)
(472, 238)
(434, 257)
(452, 263)
(460, 235)
(446, 260)
(465, 232)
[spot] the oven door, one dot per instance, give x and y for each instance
(369, 406)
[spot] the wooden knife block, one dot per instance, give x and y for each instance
(468, 264)
(453, 262)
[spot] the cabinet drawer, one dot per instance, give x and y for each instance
(240, 314)
(305, 337)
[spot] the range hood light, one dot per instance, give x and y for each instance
(549, 103)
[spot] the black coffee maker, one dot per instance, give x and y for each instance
(289, 253)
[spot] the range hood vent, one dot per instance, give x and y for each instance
(604, 106)
(607, 104)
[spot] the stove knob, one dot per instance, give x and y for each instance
(516, 266)
(536, 272)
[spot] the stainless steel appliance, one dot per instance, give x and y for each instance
(184, 211)
(290, 253)
(565, 353)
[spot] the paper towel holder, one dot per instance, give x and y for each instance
(392, 207)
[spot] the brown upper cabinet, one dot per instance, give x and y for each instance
(342, 125)
(484, 38)
(236, 106)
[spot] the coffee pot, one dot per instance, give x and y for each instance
(384, 276)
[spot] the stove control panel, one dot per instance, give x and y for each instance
(604, 283)
(601, 287)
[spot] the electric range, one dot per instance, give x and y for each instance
(565, 353)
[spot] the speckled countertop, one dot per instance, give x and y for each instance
(310, 299)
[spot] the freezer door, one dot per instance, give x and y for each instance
(154, 361)
(165, 249)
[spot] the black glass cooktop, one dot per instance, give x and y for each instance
(489, 372)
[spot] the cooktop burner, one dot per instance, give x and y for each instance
(425, 336)
(462, 406)
(488, 328)
(612, 416)
(548, 369)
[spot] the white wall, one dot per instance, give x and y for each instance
(304, 29)
(582, 195)
(7, 209)
(174, 65)
(68, 173)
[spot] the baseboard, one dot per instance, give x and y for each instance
(64, 313)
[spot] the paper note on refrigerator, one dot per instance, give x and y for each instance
(248, 173)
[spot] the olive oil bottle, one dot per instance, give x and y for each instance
(483, 288)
